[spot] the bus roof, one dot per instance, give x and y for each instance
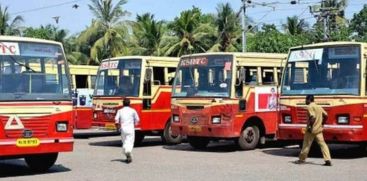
(150, 58)
(240, 54)
(26, 39)
(330, 44)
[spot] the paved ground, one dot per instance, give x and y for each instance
(100, 158)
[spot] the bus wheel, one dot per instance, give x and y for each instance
(139, 137)
(249, 138)
(41, 162)
(167, 136)
(198, 142)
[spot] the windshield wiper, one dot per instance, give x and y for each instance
(23, 65)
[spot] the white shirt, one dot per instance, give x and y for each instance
(127, 117)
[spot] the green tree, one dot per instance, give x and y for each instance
(188, 33)
(228, 29)
(270, 40)
(48, 32)
(9, 26)
(295, 26)
(358, 24)
(148, 34)
(106, 33)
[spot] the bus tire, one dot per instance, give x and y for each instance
(167, 136)
(139, 137)
(249, 137)
(198, 142)
(41, 162)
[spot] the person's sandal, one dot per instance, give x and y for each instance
(327, 163)
(299, 162)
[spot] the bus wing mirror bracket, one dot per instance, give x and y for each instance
(242, 76)
(148, 74)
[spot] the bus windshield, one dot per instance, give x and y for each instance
(118, 78)
(323, 71)
(33, 71)
(204, 76)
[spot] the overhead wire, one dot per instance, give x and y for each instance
(45, 7)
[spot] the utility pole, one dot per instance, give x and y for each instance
(326, 15)
(245, 4)
(244, 29)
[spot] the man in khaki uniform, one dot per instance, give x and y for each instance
(316, 116)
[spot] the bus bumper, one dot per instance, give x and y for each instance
(213, 131)
(8, 147)
(332, 133)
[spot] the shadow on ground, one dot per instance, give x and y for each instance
(220, 146)
(87, 135)
(337, 151)
(150, 141)
(18, 167)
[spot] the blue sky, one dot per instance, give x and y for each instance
(40, 12)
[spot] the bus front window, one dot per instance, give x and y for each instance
(323, 71)
(204, 76)
(118, 78)
(34, 72)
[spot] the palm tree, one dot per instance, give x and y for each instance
(295, 26)
(8, 26)
(106, 33)
(148, 34)
(188, 34)
(228, 29)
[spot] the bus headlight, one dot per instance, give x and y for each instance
(216, 119)
(344, 119)
(175, 118)
(287, 119)
(61, 126)
(95, 116)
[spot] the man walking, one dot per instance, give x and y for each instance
(126, 119)
(316, 117)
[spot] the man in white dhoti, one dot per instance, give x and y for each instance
(126, 119)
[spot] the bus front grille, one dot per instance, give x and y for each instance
(38, 126)
(302, 115)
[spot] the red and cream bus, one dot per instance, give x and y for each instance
(335, 73)
(36, 116)
(84, 78)
(226, 96)
(147, 81)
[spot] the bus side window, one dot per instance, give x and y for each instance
(158, 76)
(267, 76)
(251, 76)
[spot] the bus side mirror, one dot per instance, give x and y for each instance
(242, 104)
(147, 103)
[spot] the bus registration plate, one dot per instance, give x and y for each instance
(194, 128)
(110, 126)
(28, 142)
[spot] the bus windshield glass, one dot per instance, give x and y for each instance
(204, 76)
(33, 71)
(118, 78)
(323, 71)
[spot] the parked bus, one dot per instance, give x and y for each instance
(36, 117)
(226, 96)
(84, 78)
(147, 81)
(335, 74)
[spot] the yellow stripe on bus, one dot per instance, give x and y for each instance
(157, 110)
